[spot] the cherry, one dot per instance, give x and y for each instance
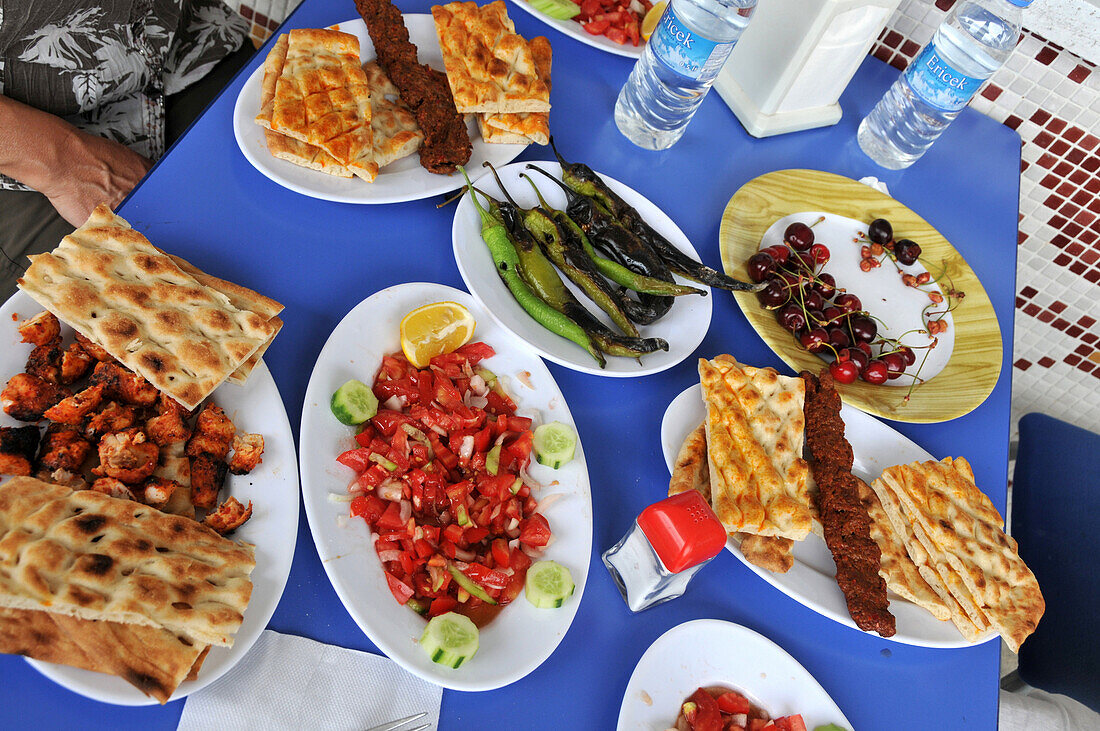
(863, 328)
(791, 317)
(876, 372)
(825, 285)
(880, 231)
(908, 354)
(844, 371)
(895, 364)
(814, 340)
(799, 236)
(857, 356)
(814, 317)
(848, 302)
(779, 252)
(820, 253)
(865, 347)
(839, 338)
(814, 301)
(774, 294)
(833, 314)
(907, 251)
(760, 266)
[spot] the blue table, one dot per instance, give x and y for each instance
(204, 201)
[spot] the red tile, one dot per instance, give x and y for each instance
(1043, 139)
(882, 54)
(1086, 321)
(1065, 189)
(1060, 323)
(1086, 219)
(1073, 133)
(1057, 307)
(1095, 205)
(1062, 259)
(1089, 237)
(1024, 165)
(1074, 331)
(1086, 366)
(1082, 350)
(1079, 177)
(1050, 181)
(909, 48)
(1048, 161)
(1091, 164)
(1046, 316)
(1053, 201)
(1028, 292)
(899, 62)
(1093, 275)
(246, 12)
(1059, 240)
(1075, 156)
(1059, 148)
(1063, 169)
(1056, 125)
(1069, 210)
(1046, 361)
(1090, 141)
(991, 92)
(1022, 364)
(1089, 338)
(893, 39)
(1083, 197)
(1072, 228)
(1090, 256)
(1032, 309)
(1046, 56)
(261, 19)
(1075, 249)
(1093, 186)
(1013, 121)
(1021, 237)
(1041, 116)
(1072, 359)
(1020, 302)
(1080, 73)
(1057, 221)
(944, 5)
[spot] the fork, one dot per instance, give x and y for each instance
(393, 725)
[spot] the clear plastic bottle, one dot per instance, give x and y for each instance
(678, 66)
(972, 42)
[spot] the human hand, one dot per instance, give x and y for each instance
(93, 170)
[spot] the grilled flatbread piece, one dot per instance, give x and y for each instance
(957, 525)
(115, 288)
(759, 482)
(322, 98)
(279, 145)
(522, 127)
(489, 67)
(396, 133)
(91, 556)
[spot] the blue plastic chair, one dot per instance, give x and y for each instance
(1056, 520)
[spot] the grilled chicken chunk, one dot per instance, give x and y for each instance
(27, 397)
(63, 448)
(75, 480)
(18, 445)
(248, 450)
(94, 350)
(207, 476)
(156, 491)
(124, 385)
(41, 329)
(75, 408)
(213, 433)
(45, 361)
(114, 488)
(169, 425)
(75, 363)
(229, 516)
(112, 417)
(127, 456)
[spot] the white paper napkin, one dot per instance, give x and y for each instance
(289, 682)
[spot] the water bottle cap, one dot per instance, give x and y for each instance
(1021, 3)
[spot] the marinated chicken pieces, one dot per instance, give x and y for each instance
(114, 431)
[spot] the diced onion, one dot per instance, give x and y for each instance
(335, 497)
(739, 719)
(387, 556)
(438, 429)
(478, 385)
(394, 403)
(513, 544)
(549, 500)
(496, 511)
(462, 555)
(406, 510)
(466, 448)
(390, 490)
(478, 402)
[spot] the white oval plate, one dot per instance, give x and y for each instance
(707, 652)
(401, 180)
(521, 637)
(812, 579)
(273, 528)
(896, 307)
(684, 326)
(574, 30)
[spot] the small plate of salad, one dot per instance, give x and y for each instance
(711, 675)
(446, 488)
(609, 25)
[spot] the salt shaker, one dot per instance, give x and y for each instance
(664, 549)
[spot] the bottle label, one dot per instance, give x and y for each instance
(938, 82)
(682, 50)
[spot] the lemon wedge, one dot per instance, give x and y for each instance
(649, 22)
(434, 329)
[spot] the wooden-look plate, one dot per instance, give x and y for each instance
(975, 363)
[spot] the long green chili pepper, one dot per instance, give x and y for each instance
(580, 270)
(543, 278)
(495, 236)
(587, 182)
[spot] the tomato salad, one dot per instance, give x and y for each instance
(440, 480)
(618, 20)
(717, 708)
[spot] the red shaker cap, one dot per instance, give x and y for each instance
(683, 530)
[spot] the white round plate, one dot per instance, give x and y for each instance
(812, 579)
(521, 637)
(684, 326)
(272, 487)
(707, 652)
(575, 30)
(401, 180)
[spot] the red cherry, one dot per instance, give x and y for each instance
(778, 252)
(844, 371)
(825, 285)
(865, 347)
(791, 317)
(895, 364)
(908, 354)
(855, 355)
(839, 338)
(774, 294)
(876, 372)
(848, 302)
(833, 315)
(799, 236)
(814, 340)
(760, 266)
(820, 253)
(814, 301)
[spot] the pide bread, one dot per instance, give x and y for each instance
(87, 555)
(754, 429)
(489, 67)
(113, 287)
(322, 98)
(396, 133)
(522, 127)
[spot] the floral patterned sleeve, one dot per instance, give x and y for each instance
(106, 65)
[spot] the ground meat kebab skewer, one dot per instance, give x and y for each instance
(846, 525)
(425, 90)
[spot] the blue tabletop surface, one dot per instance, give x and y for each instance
(205, 202)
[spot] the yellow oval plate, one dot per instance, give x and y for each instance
(975, 363)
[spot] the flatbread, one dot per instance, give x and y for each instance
(771, 553)
(282, 146)
(959, 527)
(489, 67)
(396, 133)
(507, 127)
(754, 428)
(322, 98)
(174, 464)
(115, 288)
(91, 556)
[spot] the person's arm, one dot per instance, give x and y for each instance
(75, 170)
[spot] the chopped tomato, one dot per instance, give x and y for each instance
(391, 519)
(708, 716)
(368, 507)
(733, 703)
(402, 592)
(790, 723)
(535, 531)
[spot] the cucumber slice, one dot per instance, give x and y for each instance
(469, 585)
(450, 639)
(548, 584)
(555, 444)
(492, 460)
(353, 403)
(558, 9)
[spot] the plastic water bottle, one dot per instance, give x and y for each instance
(972, 42)
(678, 66)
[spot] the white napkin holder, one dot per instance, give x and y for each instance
(795, 59)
